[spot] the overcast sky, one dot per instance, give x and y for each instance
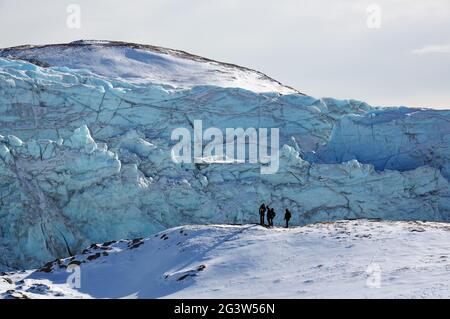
(321, 47)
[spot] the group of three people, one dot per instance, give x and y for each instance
(271, 215)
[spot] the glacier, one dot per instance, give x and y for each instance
(85, 151)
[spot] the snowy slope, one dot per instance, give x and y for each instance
(147, 64)
(85, 157)
(410, 259)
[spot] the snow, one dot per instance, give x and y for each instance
(325, 260)
(146, 64)
(86, 157)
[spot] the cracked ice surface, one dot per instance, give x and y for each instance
(85, 158)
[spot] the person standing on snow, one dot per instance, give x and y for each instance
(262, 212)
(287, 217)
(270, 216)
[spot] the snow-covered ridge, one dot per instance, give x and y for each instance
(146, 64)
(359, 259)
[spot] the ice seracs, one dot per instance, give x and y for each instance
(72, 193)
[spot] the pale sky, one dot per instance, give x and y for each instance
(323, 48)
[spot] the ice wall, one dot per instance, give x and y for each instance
(84, 159)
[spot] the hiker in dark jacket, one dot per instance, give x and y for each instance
(262, 212)
(287, 217)
(271, 216)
